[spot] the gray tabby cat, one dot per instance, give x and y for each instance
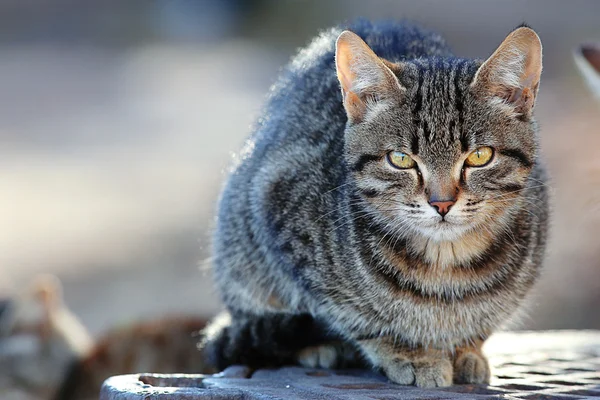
(397, 222)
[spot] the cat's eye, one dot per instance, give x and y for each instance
(480, 157)
(400, 160)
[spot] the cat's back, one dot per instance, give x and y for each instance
(306, 96)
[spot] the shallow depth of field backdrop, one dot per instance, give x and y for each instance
(118, 119)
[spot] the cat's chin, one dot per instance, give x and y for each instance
(444, 231)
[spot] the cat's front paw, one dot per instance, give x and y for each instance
(425, 372)
(323, 356)
(335, 354)
(471, 367)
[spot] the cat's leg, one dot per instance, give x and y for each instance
(470, 364)
(409, 366)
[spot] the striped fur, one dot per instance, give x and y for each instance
(314, 222)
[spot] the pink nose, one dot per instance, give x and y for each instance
(442, 207)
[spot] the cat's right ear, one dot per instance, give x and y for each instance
(512, 74)
(364, 77)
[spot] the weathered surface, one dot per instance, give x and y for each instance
(530, 365)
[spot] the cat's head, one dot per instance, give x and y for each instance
(438, 146)
(588, 61)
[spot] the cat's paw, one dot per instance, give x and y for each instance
(323, 356)
(424, 372)
(401, 371)
(471, 367)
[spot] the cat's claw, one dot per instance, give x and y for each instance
(471, 367)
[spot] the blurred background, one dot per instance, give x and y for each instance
(119, 119)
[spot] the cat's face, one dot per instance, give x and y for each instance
(440, 147)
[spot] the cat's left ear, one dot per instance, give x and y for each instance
(512, 73)
(365, 78)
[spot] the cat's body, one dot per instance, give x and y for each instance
(320, 240)
(47, 354)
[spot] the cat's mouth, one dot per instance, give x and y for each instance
(444, 229)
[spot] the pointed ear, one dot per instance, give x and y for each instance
(512, 73)
(365, 78)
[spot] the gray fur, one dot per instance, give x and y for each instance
(313, 220)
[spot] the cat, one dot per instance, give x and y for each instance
(389, 209)
(47, 353)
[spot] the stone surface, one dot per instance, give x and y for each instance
(527, 365)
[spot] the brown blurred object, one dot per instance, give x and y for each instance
(46, 353)
(592, 54)
(587, 58)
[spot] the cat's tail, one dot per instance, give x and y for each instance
(270, 340)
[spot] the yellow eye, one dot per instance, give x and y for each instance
(400, 160)
(479, 157)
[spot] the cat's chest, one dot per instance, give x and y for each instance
(446, 255)
(446, 270)
(444, 314)
(436, 294)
